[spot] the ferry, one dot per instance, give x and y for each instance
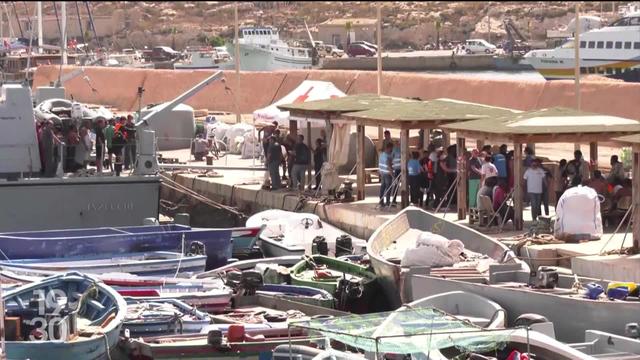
(261, 49)
(612, 51)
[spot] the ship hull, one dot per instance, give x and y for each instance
(253, 58)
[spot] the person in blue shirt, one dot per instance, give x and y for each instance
(385, 166)
(499, 159)
(415, 178)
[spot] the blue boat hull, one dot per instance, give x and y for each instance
(115, 241)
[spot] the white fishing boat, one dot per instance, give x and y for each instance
(261, 49)
(394, 239)
(203, 58)
(612, 51)
(291, 233)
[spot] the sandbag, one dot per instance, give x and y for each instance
(217, 129)
(250, 147)
(578, 215)
(433, 250)
(236, 130)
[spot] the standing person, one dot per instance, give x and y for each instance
(528, 157)
(535, 179)
(319, 157)
(488, 170)
(385, 166)
(386, 139)
(578, 169)
(617, 170)
(83, 150)
(510, 171)
(397, 169)
(274, 160)
(415, 178)
(117, 146)
(499, 159)
(474, 166)
(47, 144)
(560, 179)
(100, 143)
(440, 178)
(130, 148)
(108, 136)
(72, 142)
(301, 163)
(426, 171)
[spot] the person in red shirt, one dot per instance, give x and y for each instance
(500, 193)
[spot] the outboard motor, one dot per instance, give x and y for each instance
(196, 248)
(343, 245)
(319, 246)
(632, 330)
(233, 279)
(251, 281)
(547, 278)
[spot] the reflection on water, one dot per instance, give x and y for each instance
(492, 74)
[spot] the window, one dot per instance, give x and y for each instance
(609, 44)
(618, 44)
(592, 44)
(583, 44)
(583, 70)
(636, 45)
(634, 21)
(600, 44)
(621, 22)
(591, 70)
(609, 71)
(627, 44)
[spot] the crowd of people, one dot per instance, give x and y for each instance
(432, 177)
(72, 144)
(294, 157)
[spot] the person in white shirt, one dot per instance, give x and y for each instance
(487, 170)
(535, 178)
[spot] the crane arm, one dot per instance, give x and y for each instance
(180, 99)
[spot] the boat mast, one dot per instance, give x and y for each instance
(63, 13)
(40, 40)
(379, 41)
(237, 63)
(576, 63)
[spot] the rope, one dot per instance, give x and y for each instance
(106, 346)
(184, 190)
(180, 260)
(616, 231)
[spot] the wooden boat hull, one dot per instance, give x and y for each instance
(147, 264)
(110, 315)
(114, 241)
(144, 325)
(392, 276)
(571, 316)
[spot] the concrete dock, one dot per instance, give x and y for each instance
(242, 188)
(413, 61)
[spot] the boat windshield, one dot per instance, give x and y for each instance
(568, 44)
(627, 21)
(407, 331)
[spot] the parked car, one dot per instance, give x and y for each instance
(222, 52)
(360, 50)
(329, 50)
(474, 46)
(366, 43)
(164, 53)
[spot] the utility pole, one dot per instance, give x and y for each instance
(237, 56)
(64, 32)
(576, 62)
(379, 40)
(40, 40)
(489, 26)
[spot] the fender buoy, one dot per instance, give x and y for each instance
(453, 65)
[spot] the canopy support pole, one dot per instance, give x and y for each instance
(293, 127)
(479, 144)
(462, 178)
(360, 163)
(636, 196)
(309, 144)
(593, 154)
(446, 139)
(518, 222)
(404, 159)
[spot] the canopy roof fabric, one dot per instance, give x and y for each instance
(371, 109)
(406, 331)
(554, 121)
(308, 90)
(629, 139)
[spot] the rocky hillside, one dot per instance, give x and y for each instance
(405, 23)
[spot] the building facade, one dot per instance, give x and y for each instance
(335, 31)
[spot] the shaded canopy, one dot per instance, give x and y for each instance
(629, 139)
(345, 104)
(550, 125)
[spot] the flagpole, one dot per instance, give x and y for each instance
(237, 62)
(64, 33)
(576, 62)
(40, 40)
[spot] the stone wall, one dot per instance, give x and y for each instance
(118, 88)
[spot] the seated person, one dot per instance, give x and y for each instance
(500, 197)
(487, 189)
(625, 189)
(597, 183)
(201, 147)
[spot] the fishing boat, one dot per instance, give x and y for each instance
(291, 233)
(243, 265)
(203, 58)
(208, 300)
(476, 309)
(519, 293)
(389, 243)
(232, 340)
(302, 294)
(118, 241)
(162, 317)
(155, 263)
(79, 317)
(429, 333)
(353, 286)
(244, 240)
